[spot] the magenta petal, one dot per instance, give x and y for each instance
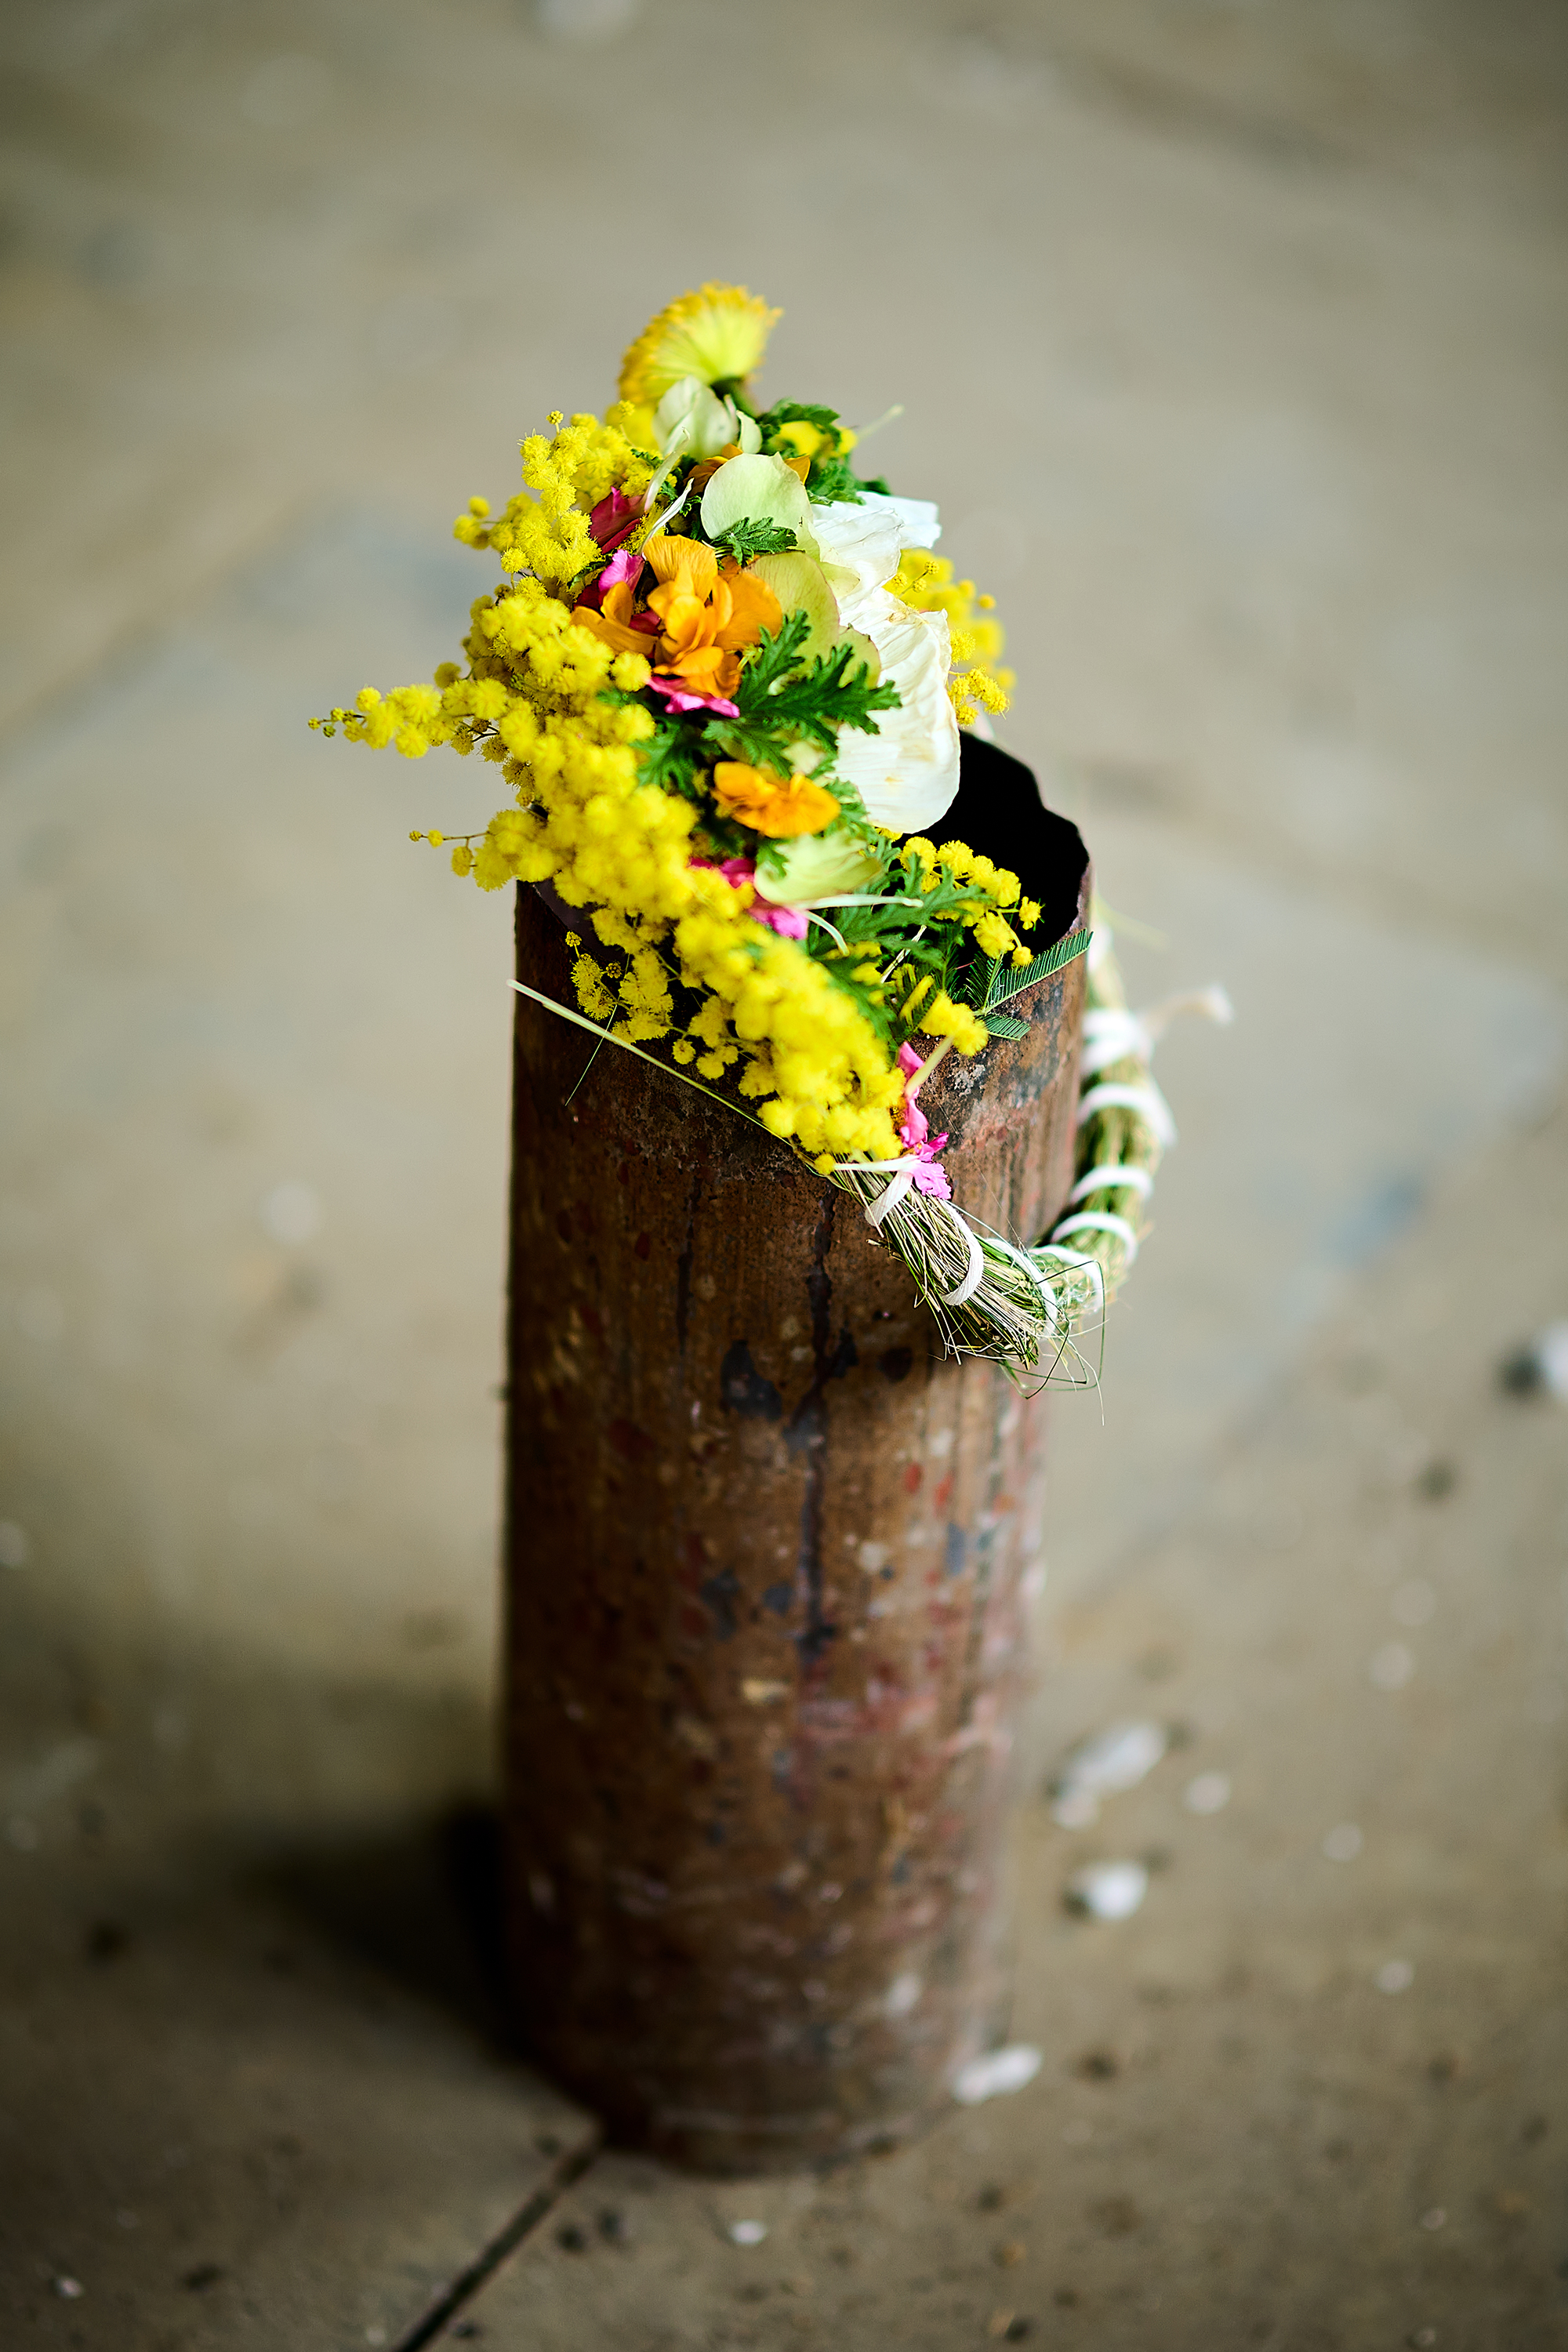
(615, 518)
(789, 922)
(932, 1181)
(626, 565)
(680, 699)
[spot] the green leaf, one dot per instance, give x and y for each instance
(837, 690)
(775, 659)
(747, 539)
(833, 481)
(1015, 978)
(1007, 1025)
(979, 981)
(796, 412)
(671, 759)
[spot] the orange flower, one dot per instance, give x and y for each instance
(707, 615)
(780, 806)
(613, 622)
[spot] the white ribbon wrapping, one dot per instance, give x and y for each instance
(1116, 1094)
(1048, 1296)
(1070, 1257)
(892, 1193)
(1100, 1222)
(976, 1275)
(1111, 1034)
(1112, 1175)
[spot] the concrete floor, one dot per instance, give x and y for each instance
(1232, 342)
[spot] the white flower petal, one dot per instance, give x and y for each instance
(861, 549)
(907, 772)
(759, 489)
(916, 517)
(815, 866)
(708, 421)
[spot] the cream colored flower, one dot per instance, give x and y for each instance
(866, 539)
(759, 489)
(819, 866)
(693, 422)
(907, 772)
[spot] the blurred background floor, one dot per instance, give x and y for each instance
(1232, 341)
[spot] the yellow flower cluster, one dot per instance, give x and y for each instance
(991, 892)
(534, 698)
(975, 681)
(572, 471)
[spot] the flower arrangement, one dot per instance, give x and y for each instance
(724, 675)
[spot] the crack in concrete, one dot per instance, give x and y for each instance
(490, 2258)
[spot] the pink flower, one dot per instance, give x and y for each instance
(624, 564)
(932, 1180)
(789, 922)
(916, 1126)
(915, 1132)
(623, 570)
(615, 518)
(677, 696)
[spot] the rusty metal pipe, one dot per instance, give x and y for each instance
(767, 1551)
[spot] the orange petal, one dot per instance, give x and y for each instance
(619, 604)
(778, 806)
(742, 791)
(685, 617)
(702, 667)
(625, 640)
(803, 807)
(754, 608)
(685, 560)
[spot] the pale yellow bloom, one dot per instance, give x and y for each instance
(717, 334)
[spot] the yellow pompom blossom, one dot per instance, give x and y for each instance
(975, 682)
(717, 334)
(548, 535)
(942, 1018)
